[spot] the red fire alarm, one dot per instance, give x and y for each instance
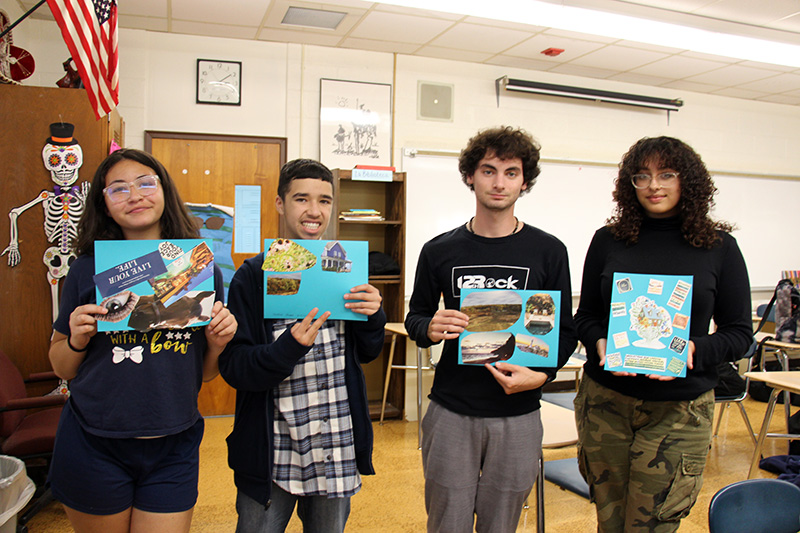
(553, 52)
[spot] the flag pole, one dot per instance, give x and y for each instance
(23, 17)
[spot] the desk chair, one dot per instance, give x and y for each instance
(756, 506)
(726, 401)
(27, 436)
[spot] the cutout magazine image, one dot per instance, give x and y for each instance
(648, 326)
(154, 284)
(302, 274)
(518, 327)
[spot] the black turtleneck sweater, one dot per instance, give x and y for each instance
(721, 291)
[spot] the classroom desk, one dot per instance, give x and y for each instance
(398, 328)
(559, 431)
(779, 381)
(783, 351)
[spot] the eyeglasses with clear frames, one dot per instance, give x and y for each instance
(666, 179)
(121, 191)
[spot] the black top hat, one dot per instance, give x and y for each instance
(61, 134)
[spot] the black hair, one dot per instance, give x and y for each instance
(302, 169)
(504, 142)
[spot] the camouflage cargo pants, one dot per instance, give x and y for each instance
(643, 460)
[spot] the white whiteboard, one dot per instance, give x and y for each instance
(572, 201)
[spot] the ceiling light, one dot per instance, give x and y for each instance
(313, 18)
(625, 27)
(583, 93)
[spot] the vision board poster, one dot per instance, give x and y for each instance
(302, 274)
(518, 327)
(154, 284)
(648, 327)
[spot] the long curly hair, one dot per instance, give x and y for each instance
(97, 225)
(697, 192)
(504, 142)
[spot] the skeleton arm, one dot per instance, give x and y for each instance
(13, 247)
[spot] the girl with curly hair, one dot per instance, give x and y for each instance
(643, 439)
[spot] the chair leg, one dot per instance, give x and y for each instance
(747, 422)
(388, 375)
(723, 407)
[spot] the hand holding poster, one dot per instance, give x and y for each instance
(648, 327)
(151, 284)
(302, 274)
(518, 327)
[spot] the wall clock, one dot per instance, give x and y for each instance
(219, 82)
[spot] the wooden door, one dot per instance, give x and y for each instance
(25, 297)
(206, 168)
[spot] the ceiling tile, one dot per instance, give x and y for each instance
(417, 12)
(380, 26)
(776, 84)
(299, 36)
(618, 58)
(692, 86)
(640, 79)
(520, 62)
(710, 57)
(213, 30)
(580, 70)
(247, 12)
(737, 92)
(756, 13)
(678, 67)
(651, 47)
(144, 8)
(581, 36)
(731, 75)
(532, 48)
(527, 28)
(767, 66)
(781, 99)
(789, 23)
(143, 23)
(380, 46)
(477, 38)
(455, 55)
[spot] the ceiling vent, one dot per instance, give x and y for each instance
(313, 18)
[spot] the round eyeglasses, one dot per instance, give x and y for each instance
(120, 191)
(666, 179)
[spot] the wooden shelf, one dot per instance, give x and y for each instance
(387, 236)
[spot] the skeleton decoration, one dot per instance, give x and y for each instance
(62, 206)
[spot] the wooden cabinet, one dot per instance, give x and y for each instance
(25, 298)
(387, 236)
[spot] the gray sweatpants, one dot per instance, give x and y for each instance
(478, 466)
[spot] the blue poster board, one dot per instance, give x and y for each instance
(153, 284)
(302, 274)
(518, 327)
(649, 322)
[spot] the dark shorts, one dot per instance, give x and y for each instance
(103, 476)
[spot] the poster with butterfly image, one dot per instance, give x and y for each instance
(154, 284)
(648, 327)
(518, 327)
(302, 274)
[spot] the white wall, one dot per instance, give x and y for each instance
(280, 97)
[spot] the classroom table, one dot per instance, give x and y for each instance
(779, 381)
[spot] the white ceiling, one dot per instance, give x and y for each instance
(384, 28)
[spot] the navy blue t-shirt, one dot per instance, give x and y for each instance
(133, 383)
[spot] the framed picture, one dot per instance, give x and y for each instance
(355, 123)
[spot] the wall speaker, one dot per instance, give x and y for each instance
(434, 101)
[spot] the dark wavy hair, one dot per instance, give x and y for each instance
(504, 142)
(97, 225)
(697, 192)
(302, 169)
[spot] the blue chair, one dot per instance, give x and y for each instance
(756, 506)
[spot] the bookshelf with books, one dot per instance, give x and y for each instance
(375, 211)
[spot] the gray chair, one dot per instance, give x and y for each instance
(756, 506)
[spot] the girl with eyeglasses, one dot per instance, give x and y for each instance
(643, 439)
(126, 453)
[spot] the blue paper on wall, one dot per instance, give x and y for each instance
(150, 284)
(518, 327)
(302, 274)
(649, 322)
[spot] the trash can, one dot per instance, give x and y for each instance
(16, 490)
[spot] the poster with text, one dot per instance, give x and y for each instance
(154, 284)
(518, 327)
(648, 327)
(302, 274)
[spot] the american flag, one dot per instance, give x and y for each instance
(89, 28)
